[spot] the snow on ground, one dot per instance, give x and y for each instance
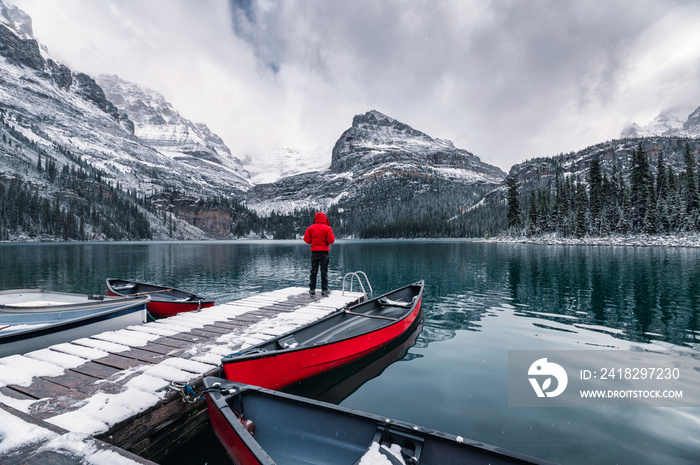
(16, 434)
(641, 240)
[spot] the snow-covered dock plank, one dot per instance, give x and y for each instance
(118, 386)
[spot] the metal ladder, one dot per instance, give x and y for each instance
(353, 275)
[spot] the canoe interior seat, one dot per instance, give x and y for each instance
(123, 287)
(394, 303)
(394, 447)
(288, 342)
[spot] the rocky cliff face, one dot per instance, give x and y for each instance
(692, 125)
(157, 124)
(20, 49)
(217, 222)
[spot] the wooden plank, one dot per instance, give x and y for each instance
(84, 383)
(251, 318)
(41, 388)
(206, 334)
(231, 324)
(144, 355)
(56, 399)
(11, 393)
(164, 350)
(215, 329)
(116, 362)
(186, 338)
(175, 342)
(96, 370)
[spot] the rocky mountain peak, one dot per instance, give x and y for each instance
(372, 117)
(17, 21)
(374, 121)
(375, 138)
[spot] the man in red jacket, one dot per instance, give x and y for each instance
(320, 236)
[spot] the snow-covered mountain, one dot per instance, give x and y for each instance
(384, 171)
(284, 162)
(376, 139)
(158, 125)
(61, 111)
(668, 124)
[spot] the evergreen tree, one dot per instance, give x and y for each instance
(691, 189)
(513, 219)
(595, 183)
(532, 228)
(641, 188)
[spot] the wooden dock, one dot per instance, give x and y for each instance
(121, 392)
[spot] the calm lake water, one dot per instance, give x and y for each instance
(481, 301)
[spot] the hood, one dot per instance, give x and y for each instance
(321, 218)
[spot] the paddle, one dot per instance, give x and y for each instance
(4, 327)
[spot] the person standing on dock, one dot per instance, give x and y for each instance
(320, 236)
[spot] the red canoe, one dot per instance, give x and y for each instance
(328, 343)
(259, 426)
(165, 301)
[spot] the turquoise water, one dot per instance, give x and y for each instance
(481, 301)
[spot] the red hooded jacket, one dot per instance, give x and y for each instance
(319, 235)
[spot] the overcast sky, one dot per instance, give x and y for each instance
(506, 80)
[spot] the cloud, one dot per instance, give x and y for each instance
(507, 80)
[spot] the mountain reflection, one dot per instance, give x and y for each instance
(644, 293)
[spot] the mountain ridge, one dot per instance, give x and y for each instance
(667, 123)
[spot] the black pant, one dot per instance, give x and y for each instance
(319, 259)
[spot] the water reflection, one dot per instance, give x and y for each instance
(646, 293)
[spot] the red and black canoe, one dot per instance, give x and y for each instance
(258, 426)
(340, 338)
(165, 301)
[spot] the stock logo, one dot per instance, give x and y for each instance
(541, 374)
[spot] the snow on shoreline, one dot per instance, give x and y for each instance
(641, 240)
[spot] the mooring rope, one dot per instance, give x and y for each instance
(186, 391)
